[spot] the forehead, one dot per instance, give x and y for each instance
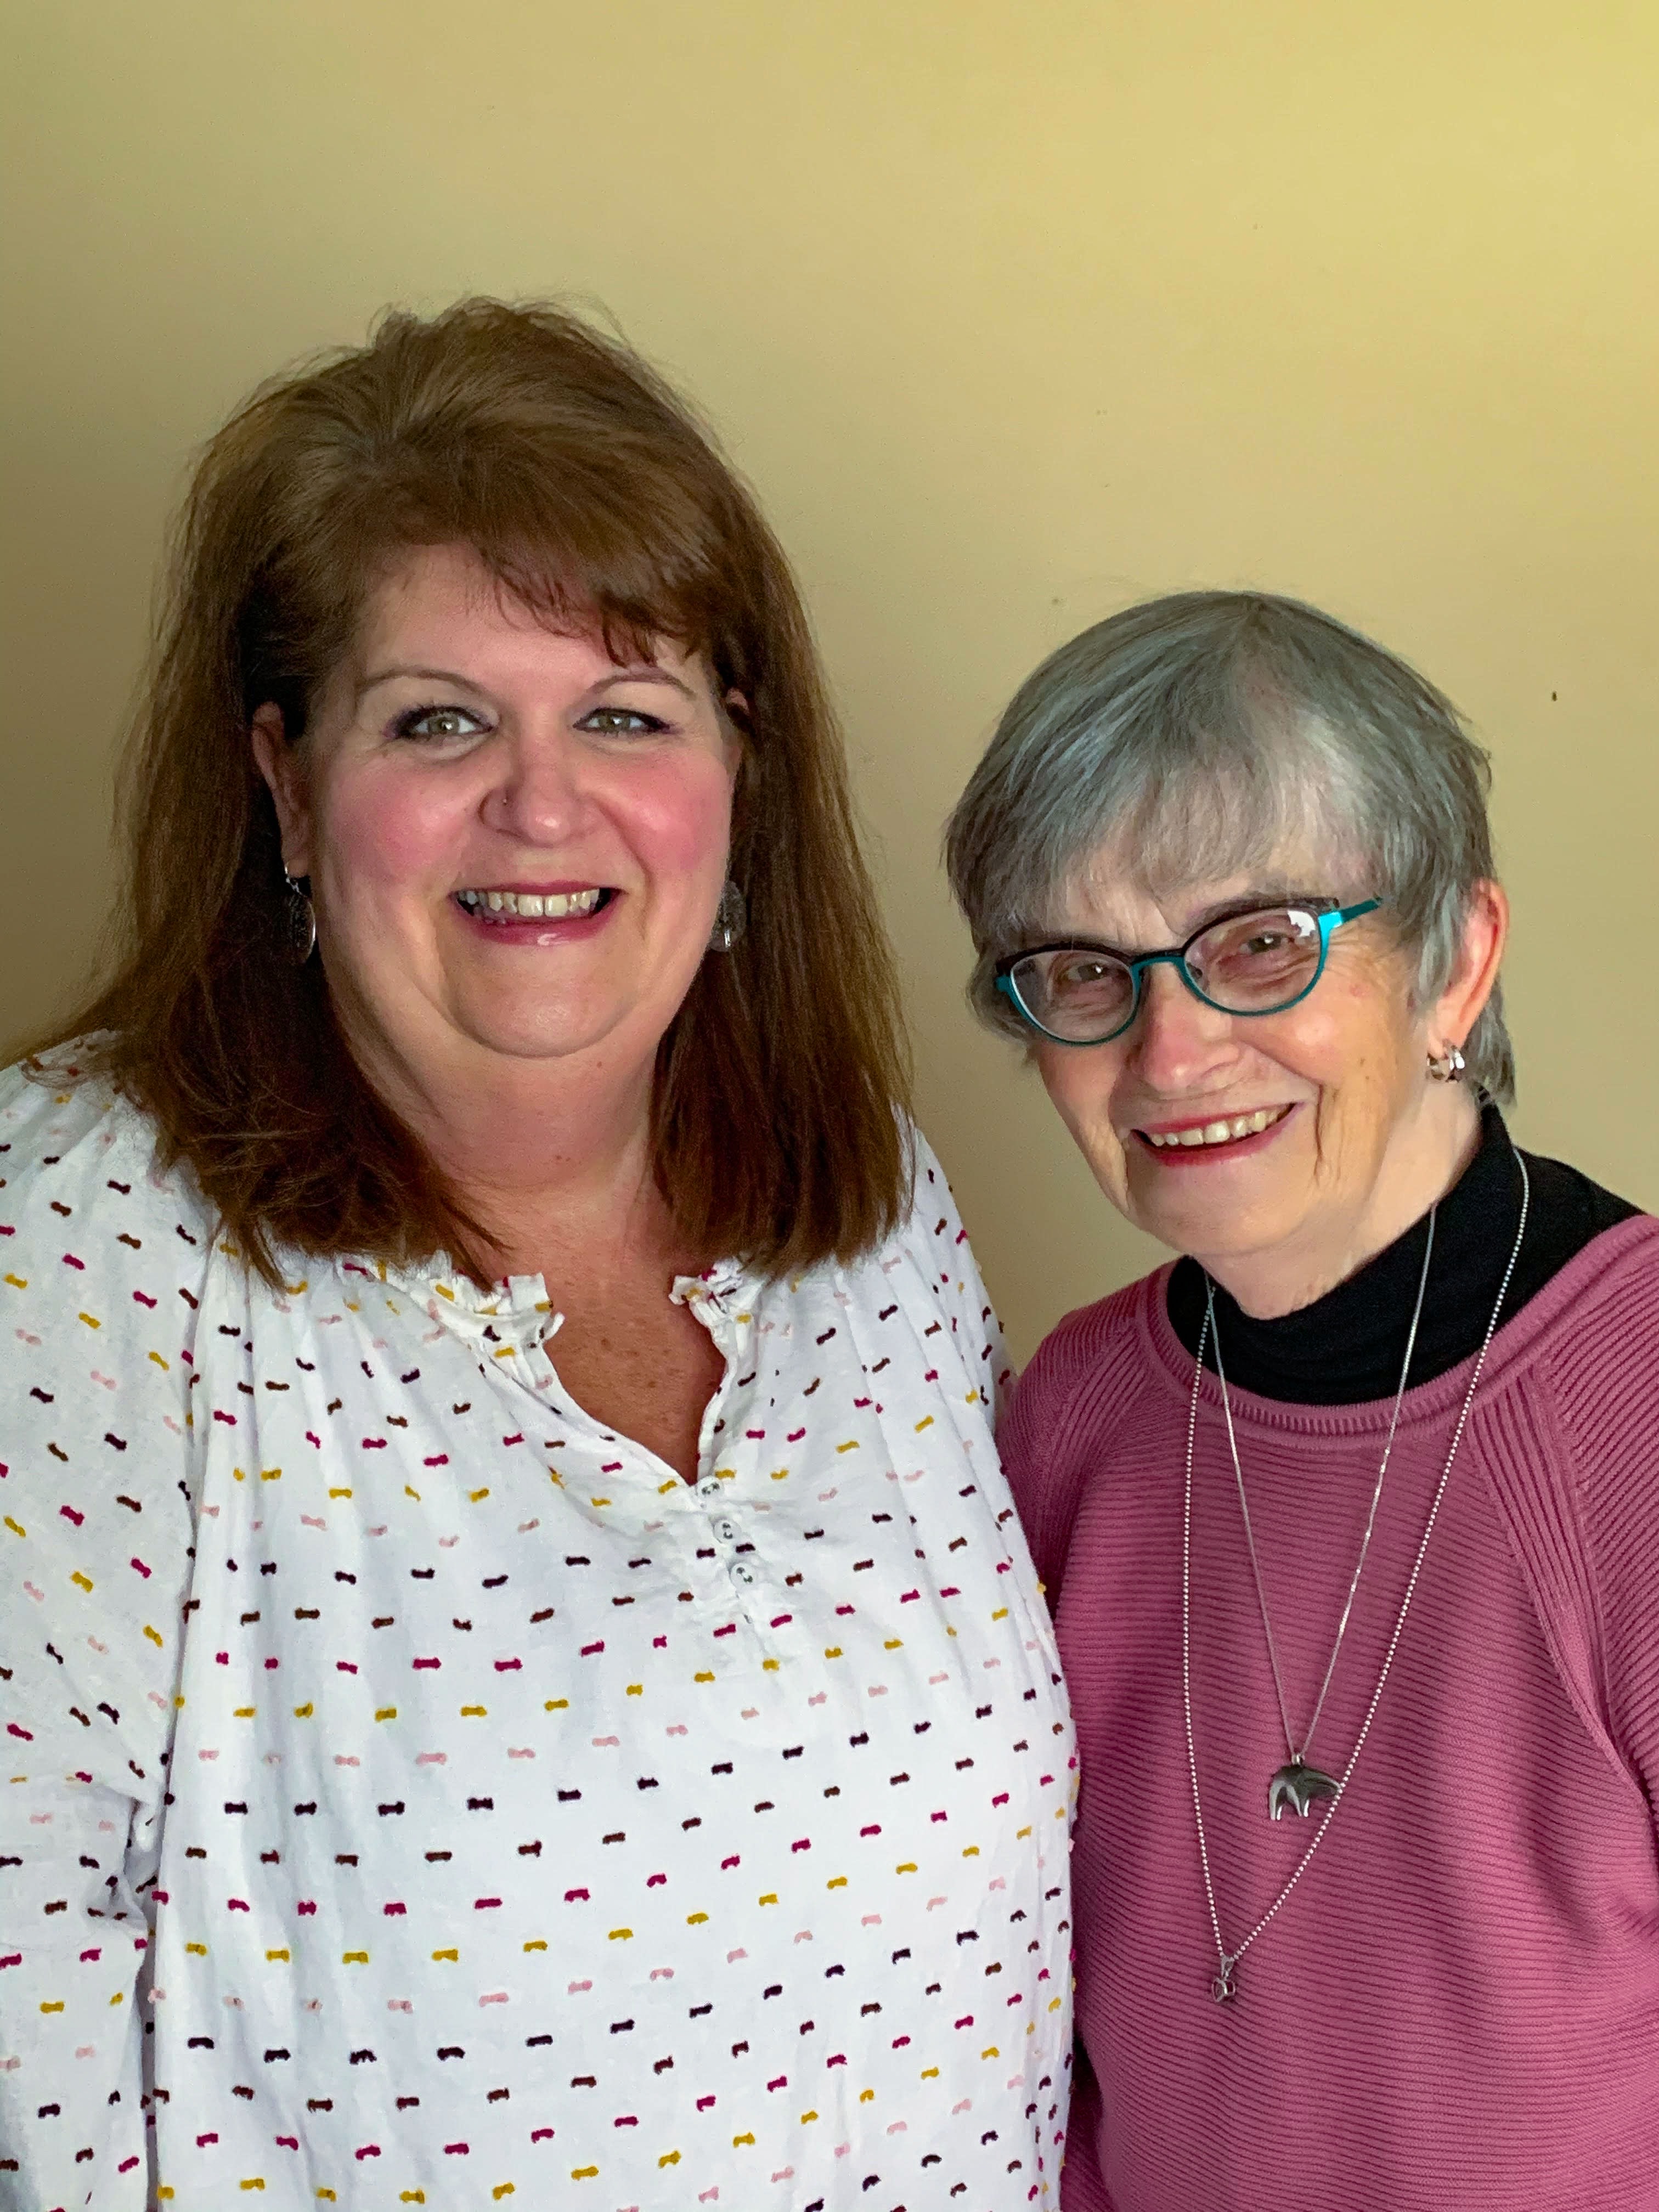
(1110, 895)
(442, 606)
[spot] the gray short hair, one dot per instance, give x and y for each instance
(1193, 734)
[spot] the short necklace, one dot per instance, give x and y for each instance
(1223, 1985)
(1295, 1785)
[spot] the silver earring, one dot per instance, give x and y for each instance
(730, 919)
(1446, 1067)
(300, 919)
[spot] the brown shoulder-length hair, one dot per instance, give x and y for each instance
(587, 486)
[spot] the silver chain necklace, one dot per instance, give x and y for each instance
(1295, 1785)
(1223, 1985)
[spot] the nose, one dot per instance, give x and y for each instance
(1178, 1041)
(537, 793)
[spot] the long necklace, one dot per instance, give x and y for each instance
(1295, 1784)
(1223, 1985)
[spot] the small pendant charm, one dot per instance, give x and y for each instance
(1224, 1987)
(1294, 1789)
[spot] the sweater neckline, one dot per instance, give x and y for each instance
(1513, 1345)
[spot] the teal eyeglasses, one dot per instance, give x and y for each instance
(1258, 963)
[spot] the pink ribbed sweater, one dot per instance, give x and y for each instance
(1459, 2007)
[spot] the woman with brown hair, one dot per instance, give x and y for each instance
(519, 1665)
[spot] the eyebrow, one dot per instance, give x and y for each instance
(643, 673)
(1256, 902)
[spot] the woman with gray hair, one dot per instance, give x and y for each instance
(1349, 1519)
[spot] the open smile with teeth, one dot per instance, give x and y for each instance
(1216, 1133)
(529, 906)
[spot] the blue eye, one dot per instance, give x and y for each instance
(437, 723)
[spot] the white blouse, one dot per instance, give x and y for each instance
(417, 1795)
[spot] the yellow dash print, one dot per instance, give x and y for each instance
(736, 2140)
(354, 1957)
(270, 1475)
(177, 1701)
(1022, 1831)
(13, 1526)
(90, 1321)
(243, 1713)
(972, 1398)
(620, 1936)
(239, 1474)
(343, 1492)
(454, 1955)
(991, 2052)
(931, 2073)
(255, 2182)
(410, 1491)
(556, 1704)
(636, 1689)
(80, 1580)
(119, 1997)
(852, 1445)
(21, 1283)
(780, 1474)
(473, 1713)
(770, 1898)
(893, 1643)
(161, 1362)
(909, 1867)
(536, 1945)
(598, 1501)
(583, 2173)
(669, 2158)
(275, 1957)
(1001, 1613)
(663, 1489)
(806, 2118)
(1054, 2004)
(200, 1949)
(301, 1712)
(386, 1712)
(970, 1851)
(502, 2189)
(832, 1651)
(925, 1423)
(866, 2096)
(771, 1666)
(411, 2197)
(838, 1882)
(163, 2189)
(706, 1675)
(505, 1353)
(153, 1634)
(56, 2006)
(326, 2194)
(695, 1919)
(476, 1495)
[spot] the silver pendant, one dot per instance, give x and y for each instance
(1224, 1987)
(1294, 1789)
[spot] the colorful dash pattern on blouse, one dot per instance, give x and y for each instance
(415, 1794)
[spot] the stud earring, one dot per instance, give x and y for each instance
(730, 919)
(301, 919)
(1446, 1067)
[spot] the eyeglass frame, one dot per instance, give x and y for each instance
(1327, 921)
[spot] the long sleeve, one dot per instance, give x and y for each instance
(95, 1457)
(961, 1288)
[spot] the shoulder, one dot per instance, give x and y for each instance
(1093, 1357)
(73, 1149)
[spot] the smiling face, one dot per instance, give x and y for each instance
(1282, 1151)
(516, 847)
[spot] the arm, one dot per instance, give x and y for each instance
(94, 1557)
(957, 1282)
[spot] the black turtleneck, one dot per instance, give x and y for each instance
(1347, 1347)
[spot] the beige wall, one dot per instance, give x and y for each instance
(1013, 313)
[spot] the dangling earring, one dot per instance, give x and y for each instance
(730, 919)
(300, 919)
(1446, 1067)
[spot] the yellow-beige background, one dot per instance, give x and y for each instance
(1013, 313)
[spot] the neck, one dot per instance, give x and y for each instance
(1424, 1157)
(551, 1158)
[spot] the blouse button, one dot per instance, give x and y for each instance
(742, 1574)
(709, 1486)
(726, 1531)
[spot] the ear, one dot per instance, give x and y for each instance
(280, 764)
(1485, 933)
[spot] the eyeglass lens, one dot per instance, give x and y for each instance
(1253, 964)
